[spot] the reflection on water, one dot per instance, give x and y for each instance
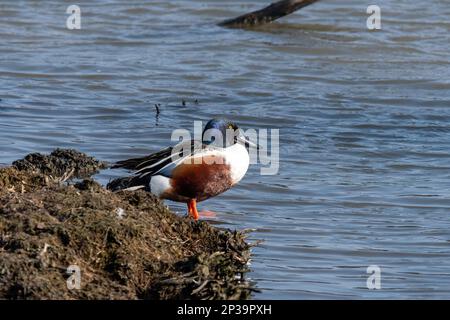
(364, 119)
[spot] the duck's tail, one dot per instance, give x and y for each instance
(129, 183)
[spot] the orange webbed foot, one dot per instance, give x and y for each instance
(192, 209)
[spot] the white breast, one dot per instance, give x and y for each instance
(238, 159)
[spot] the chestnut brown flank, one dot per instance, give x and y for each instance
(200, 181)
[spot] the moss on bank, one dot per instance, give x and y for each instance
(128, 245)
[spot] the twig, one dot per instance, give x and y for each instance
(66, 176)
(200, 287)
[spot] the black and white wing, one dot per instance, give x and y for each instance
(161, 162)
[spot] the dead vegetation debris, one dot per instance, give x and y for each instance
(127, 245)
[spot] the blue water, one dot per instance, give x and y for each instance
(363, 118)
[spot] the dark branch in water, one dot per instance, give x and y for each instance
(268, 14)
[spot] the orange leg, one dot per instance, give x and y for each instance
(192, 209)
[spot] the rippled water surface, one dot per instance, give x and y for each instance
(363, 116)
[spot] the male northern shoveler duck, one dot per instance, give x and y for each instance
(191, 171)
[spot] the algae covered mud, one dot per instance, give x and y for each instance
(63, 236)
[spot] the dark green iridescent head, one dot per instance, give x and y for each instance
(220, 133)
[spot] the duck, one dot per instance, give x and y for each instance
(191, 171)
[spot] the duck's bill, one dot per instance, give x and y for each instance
(247, 142)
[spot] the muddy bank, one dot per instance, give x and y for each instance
(127, 245)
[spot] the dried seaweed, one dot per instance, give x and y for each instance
(128, 245)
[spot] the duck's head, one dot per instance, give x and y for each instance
(223, 133)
